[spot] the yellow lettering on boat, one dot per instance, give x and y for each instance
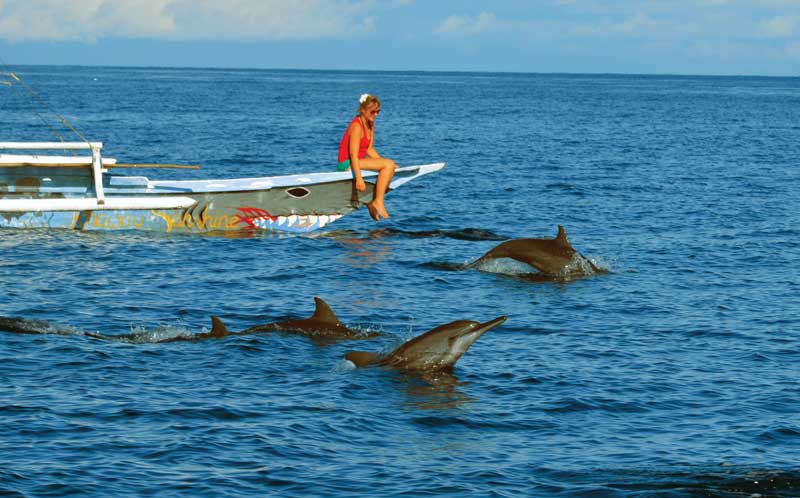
(140, 222)
(167, 219)
(197, 223)
(97, 220)
(112, 220)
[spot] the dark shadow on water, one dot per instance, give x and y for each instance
(541, 278)
(720, 482)
(471, 234)
(432, 390)
(364, 253)
(446, 266)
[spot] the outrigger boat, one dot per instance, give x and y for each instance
(79, 193)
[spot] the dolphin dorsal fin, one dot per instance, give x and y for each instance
(218, 329)
(561, 238)
(323, 312)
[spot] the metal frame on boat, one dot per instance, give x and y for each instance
(79, 192)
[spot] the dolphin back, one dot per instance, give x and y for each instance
(361, 358)
(323, 317)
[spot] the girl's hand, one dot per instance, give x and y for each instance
(360, 185)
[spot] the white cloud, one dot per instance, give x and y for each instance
(88, 20)
(780, 26)
(792, 51)
(465, 25)
(638, 24)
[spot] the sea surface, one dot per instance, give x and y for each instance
(675, 374)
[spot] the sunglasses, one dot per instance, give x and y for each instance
(375, 112)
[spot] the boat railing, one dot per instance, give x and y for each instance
(96, 159)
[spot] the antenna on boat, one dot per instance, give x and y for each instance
(11, 79)
(33, 98)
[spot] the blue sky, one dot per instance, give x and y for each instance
(737, 37)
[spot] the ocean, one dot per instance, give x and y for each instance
(675, 374)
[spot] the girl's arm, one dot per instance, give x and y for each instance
(372, 152)
(355, 165)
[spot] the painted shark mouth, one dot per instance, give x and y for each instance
(294, 223)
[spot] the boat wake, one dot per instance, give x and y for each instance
(476, 234)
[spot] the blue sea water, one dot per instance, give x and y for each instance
(676, 374)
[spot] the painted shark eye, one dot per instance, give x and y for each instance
(298, 192)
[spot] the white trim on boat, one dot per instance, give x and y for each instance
(92, 204)
(51, 145)
(96, 159)
(11, 160)
(402, 175)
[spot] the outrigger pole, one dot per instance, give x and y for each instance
(99, 201)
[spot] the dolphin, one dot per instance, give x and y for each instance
(323, 324)
(436, 350)
(34, 326)
(218, 331)
(553, 257)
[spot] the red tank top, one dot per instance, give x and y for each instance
(344, 145)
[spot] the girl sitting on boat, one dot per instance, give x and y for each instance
(357, 152)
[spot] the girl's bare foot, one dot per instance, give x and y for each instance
(373, 212)
(381, 209)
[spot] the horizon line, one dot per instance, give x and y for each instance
(424, 71)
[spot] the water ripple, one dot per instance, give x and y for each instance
(673, 375)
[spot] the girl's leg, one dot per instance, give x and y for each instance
(385, 168)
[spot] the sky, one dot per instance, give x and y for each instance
(710, 37)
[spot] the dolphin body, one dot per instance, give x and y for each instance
(436, 350)
(323, 324)
(34, 326)
(552, 257)
(218, 331)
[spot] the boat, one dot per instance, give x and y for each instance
(81, 192)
